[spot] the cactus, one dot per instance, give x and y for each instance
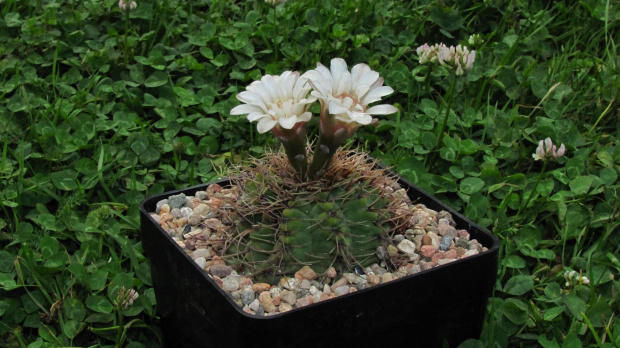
(339, 220)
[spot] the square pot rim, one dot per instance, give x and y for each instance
(164, 195)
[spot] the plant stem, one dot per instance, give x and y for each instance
(126, 49)
(294, 142)
(534, 189)
(440, 131)
(119, 332)
(332, 134)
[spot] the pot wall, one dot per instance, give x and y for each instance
(444, 305)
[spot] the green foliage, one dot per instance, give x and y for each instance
(101, 108)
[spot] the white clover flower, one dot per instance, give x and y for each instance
(459, 57)
(123, 4)
(346, 95)
(125, 298)
(276, 100)
(546, 150)
(573, 278)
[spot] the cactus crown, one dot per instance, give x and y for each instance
(339, 220)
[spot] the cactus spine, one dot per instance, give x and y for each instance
(338, 220)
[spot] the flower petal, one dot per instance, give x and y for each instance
(337, 108)
(255, 116)
(265, 124)
(288, 122)
(244, 109)
(305, 117)
(383, 109)
(376, 94)
(338, 67)
(251, 98)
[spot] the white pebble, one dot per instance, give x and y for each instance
(406, 246)
(201, 262)
(185, 211)
(341, 290)
(254, 305)
(471, 252)
(230, 285)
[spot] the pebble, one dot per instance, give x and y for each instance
(450, 254)
(353, 278)
(446, 230)
(230, 284)
(285, 307)
(185, 212)
(267, 302)
(331, 272)
(470, 253)
(318, 297)
(373, 279)
(387, 277)
(462, 242)
(427, 251)
(176, 201)
(288, 297)
(304, 301)
(204, 253)
(176, 213)
(342, 281)
(260, 287)
(275, 293)
(463, 234)
(341, 290)
(201, 210)
(426, 240)
(247, 296)
(415, 269)
(376, 269)
(446, 243)
(160, 204)
(201, 262)
(435, 241)
(305, 284)
(407, 247)
(381, 252)
(221, 271)
(289, 283)
(475, 245)
(436, 257)
(424, 265)
(254, 305)
(201, 195)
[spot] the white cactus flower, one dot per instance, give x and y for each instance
(276, 100)
(347, 94)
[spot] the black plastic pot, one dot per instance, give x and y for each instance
(439, 307)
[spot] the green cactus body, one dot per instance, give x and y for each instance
(320, 225)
